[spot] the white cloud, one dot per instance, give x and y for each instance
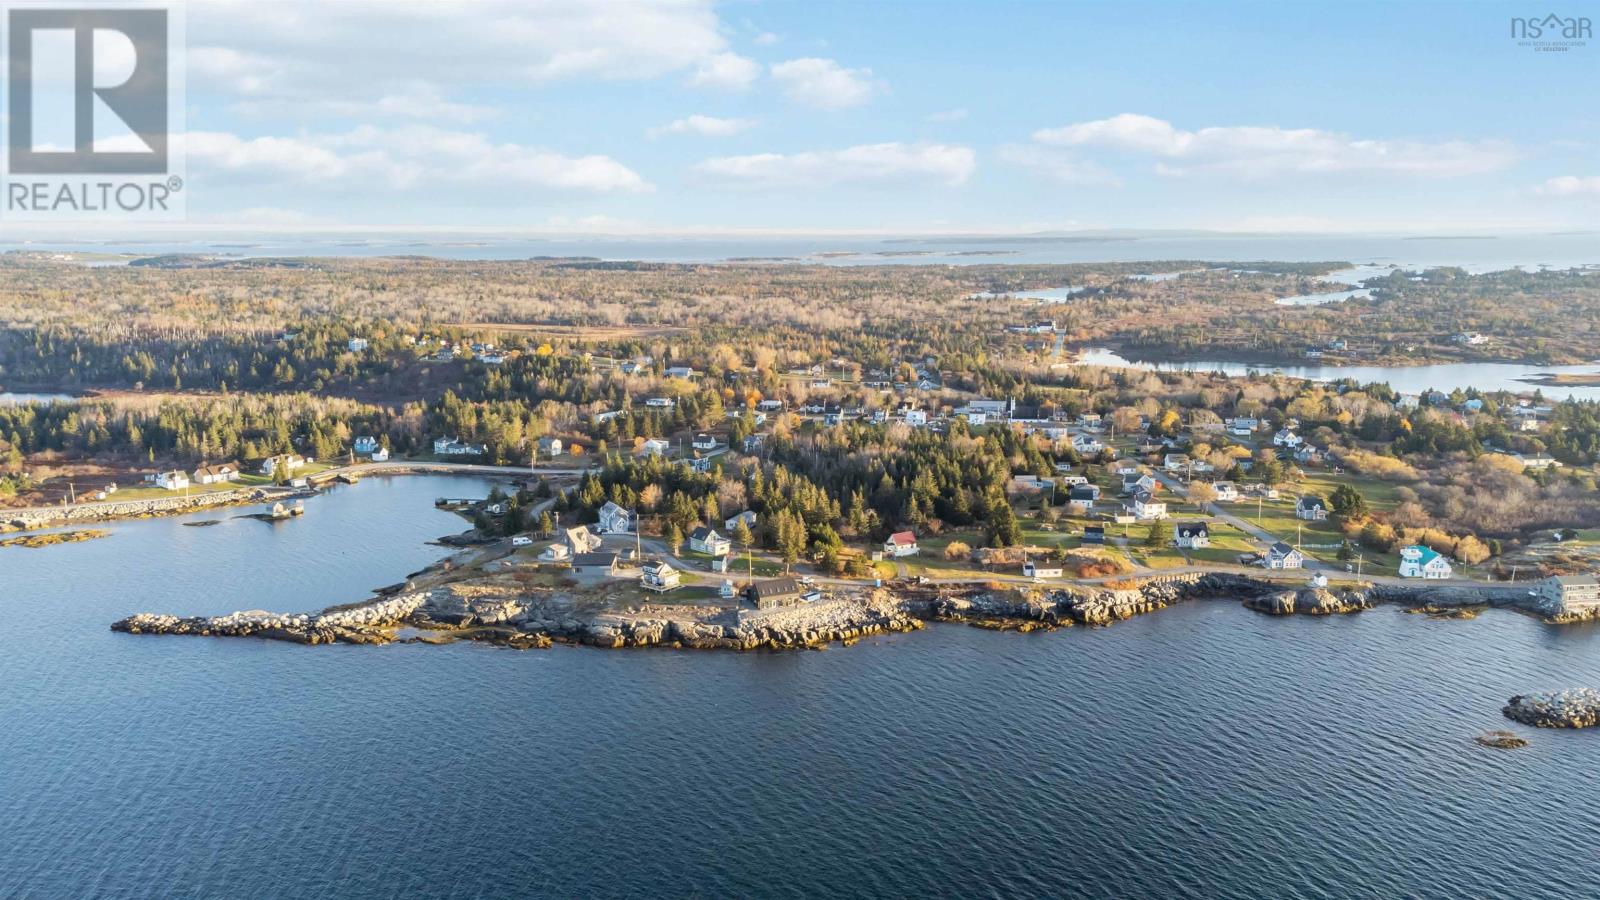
(865, 164)
(1571, 186)
(1264, 151)
(823, 83)
(766, 39)
(728, 71)
(355, 51)
(705, 126)
(948, 115)
(390, 160)
(1057, 166)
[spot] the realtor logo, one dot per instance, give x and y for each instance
(62, 45)
(91, 98)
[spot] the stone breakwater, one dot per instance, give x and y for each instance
(41, 517)
(1577, 708)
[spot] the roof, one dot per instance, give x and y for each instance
(1310, 500)
(605, 558)
(902, 538)
(1281, 549)
(1192, 529)
(1424, 555)
(703, 533)
(776, 587)
(1144, 497)
(1085, 492)
(1576, 580)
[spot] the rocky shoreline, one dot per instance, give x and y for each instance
(503, 610)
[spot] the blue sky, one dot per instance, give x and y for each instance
(636, 116)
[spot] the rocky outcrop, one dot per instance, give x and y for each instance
(1577, 708)
(1309, 601)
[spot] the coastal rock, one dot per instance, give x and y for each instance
(1309, 601)
(1576, 708)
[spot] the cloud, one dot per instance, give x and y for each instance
(1062, 168)
(948, 115)
(414, 158)
(766, 39)
(864, 164)
(705, 126)
(355, 51)
(1571, 186)
(728, 71)
(1265, 151)
(823, 83)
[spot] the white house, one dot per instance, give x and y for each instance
(656, 447)
(1417, 561)
(1144, 506)
(1176, 462)
(356, 345)
(1083, 497)
(975, 418)
(660, 402)
(380, 455)
(1568, 594)
(1286, 438)
(1311, 508)
(901, 543)
(1030, 569)
(549, 446)
(614, 519)
(454, 447)
(366, 444)
(681, 372)
(1192, 535)
(1086, 445)
(1226, 490)
(916, 418)
(173, 480)
(581, 540)
(704, 442)
(557, 552)
(1283, 556)
(748, 517)
(659, 577)
(217, 474)
(290, 462)
(706, 540)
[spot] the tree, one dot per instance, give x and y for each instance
(674, 537)
(742, 535)
(1160, 534)
(546, 524)
(1004, 530)
(1202, 493)
(957, 550)
(1348, 503)
(791, 538)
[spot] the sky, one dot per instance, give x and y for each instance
(689, 116)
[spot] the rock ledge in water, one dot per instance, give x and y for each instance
(1577, 708)
(1501, 740)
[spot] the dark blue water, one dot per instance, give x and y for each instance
(1200, 751)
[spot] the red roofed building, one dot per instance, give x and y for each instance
(901, 543)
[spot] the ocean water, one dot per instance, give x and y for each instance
(1371, 253)
(1199, 751)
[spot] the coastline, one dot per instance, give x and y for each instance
(436, 606)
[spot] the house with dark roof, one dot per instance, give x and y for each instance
(1283, 556)
(1311, 508)
(706, 540)
(600, 562)
(774, 593)
(1192, 535)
